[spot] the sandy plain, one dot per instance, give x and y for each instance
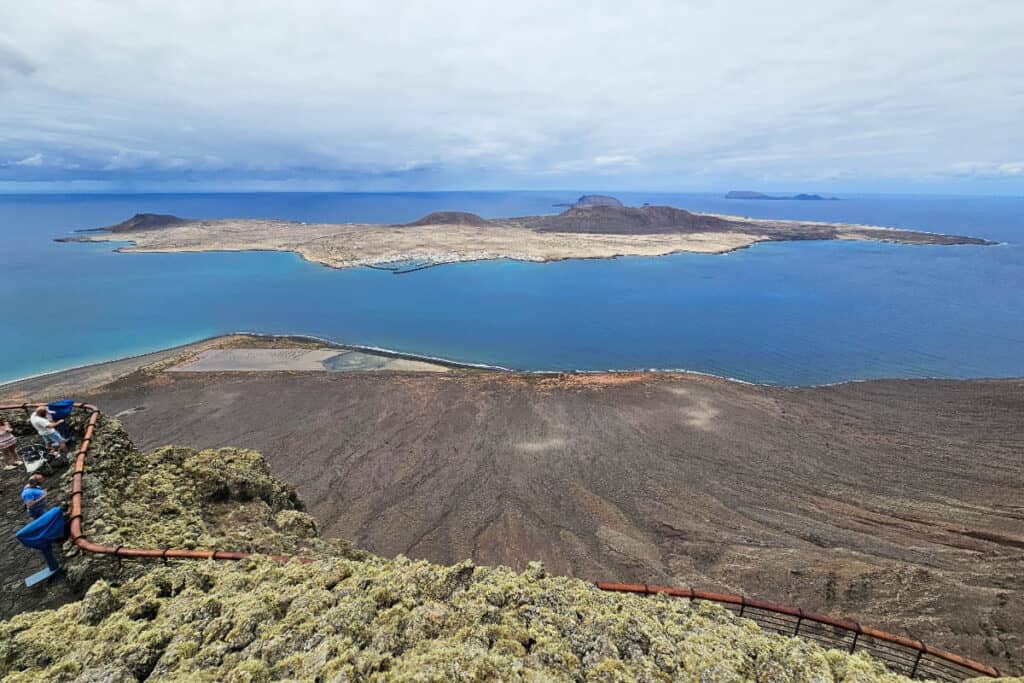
(350, 245)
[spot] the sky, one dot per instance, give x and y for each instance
(677, 95)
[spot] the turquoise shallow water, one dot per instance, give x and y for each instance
(785, 313)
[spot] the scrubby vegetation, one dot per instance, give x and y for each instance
(343, 620)
(348, 616)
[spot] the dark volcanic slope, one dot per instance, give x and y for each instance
(625, 220)
(147, 221)
(894, 502)
(649, 220)
(451, 218)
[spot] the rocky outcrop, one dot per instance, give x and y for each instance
(223, 498)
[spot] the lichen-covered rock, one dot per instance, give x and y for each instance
(340, 619)
(298, 524)
(185, 498)
(98, 604)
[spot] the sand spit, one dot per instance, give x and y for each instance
(579, 232)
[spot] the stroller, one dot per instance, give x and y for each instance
(37, 457)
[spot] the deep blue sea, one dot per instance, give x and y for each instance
(783, 313)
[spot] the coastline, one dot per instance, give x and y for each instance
(119, 367)
(169, 355)
(130, 248)
(119, 359)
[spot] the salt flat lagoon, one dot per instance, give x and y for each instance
(792, 313)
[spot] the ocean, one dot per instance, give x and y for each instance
(794, 313)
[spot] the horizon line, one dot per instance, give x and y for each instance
(109, 193)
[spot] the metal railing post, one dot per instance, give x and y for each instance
(920, 653)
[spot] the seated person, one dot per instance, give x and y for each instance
(34, 497)
(46, 428)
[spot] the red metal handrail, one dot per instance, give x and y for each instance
(928, 661)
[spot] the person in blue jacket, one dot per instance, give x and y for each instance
(34, 497)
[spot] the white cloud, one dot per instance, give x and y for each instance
(653, 92)
(605, 160)
(988, 170)
(33, 160)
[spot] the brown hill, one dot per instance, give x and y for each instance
(626, 220)
(597, 200)
(147, 221)
(451, 218)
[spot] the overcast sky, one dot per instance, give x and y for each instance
(866, 95)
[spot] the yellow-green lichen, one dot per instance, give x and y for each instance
(185, 498)
(340, 619)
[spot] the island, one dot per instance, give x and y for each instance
(589, 230)
(748, 194)
(594, 200)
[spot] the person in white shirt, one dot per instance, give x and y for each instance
(43, 423)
